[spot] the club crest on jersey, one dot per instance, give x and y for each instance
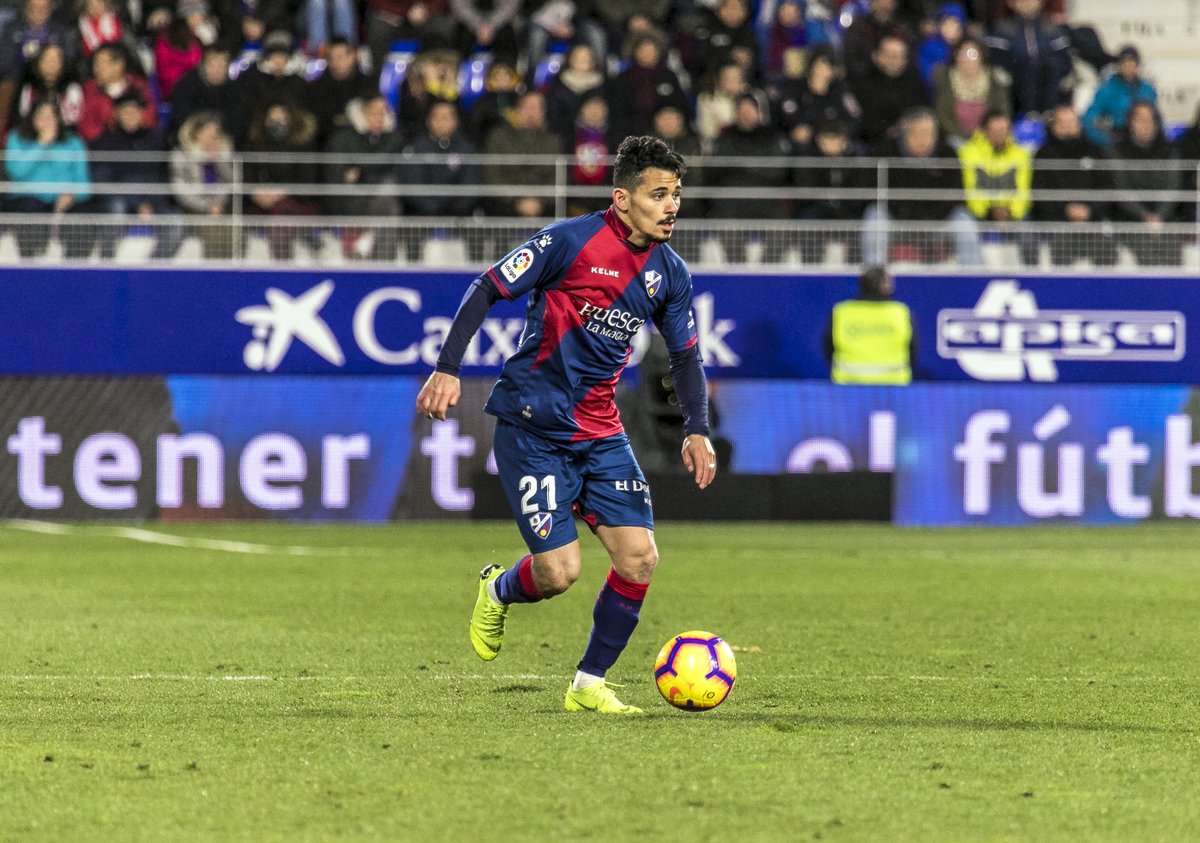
(541, 523)
(515, 267)
(653, 282)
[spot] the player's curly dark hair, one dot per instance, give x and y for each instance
(635, 155)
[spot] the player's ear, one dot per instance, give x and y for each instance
(620, 198)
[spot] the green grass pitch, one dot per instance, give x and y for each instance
(893, 685)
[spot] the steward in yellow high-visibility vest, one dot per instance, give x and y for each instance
(870, 339)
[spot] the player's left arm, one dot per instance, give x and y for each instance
(677, 324)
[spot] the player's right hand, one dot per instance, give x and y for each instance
(439, 394)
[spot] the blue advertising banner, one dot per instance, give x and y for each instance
(969, 327)
(970, 454)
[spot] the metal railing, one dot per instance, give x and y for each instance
(745, 212)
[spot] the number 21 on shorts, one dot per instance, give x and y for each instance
(528, 486)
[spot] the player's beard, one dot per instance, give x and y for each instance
(663, 238)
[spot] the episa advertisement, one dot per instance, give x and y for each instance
(279, 394)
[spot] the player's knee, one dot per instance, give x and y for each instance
(557, 577)
(639, 564)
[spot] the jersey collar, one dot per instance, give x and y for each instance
(623, 231)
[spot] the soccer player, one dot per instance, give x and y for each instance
(592, 282)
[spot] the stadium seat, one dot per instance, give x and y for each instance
(395, 68)
(472, 78)
(442, 250)
(550, 64)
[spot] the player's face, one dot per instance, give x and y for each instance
(651, 207)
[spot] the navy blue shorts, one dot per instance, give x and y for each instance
(545, 480)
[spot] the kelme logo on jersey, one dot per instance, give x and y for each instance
(541, 523)
(515, 267)
(653, 282)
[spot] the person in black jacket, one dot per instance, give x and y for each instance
(1037, 55)
(820, 94)
(127, 136)
(830, 175)
(1146, 166)
(635, 95)
(749, 138)
(278, 134)
(207, 87)
(1067, 161)
(1188, 149)
(443, 138)
(332, 91)
(890, 87)
(362, 156)
(924, 187)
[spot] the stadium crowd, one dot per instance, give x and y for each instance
(829, 85)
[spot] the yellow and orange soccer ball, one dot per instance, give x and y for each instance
(695, 671)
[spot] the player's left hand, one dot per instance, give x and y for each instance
(700, 459)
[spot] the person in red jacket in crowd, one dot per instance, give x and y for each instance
(110, 79)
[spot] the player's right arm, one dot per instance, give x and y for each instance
(537, 262)
(443, 388)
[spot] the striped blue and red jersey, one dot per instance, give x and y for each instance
(590, 291)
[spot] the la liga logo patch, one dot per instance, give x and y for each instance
(653, 282)
(541, 523)
(515, 267)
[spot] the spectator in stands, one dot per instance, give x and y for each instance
(273, 79)
(864, 35)
(997, 173)
(563, 21)
(591, 144)
(502, 89)
(369, 136)
(622, 19)
(202, 179)
(277, 134)
(931, 167)
(42, 151)
(747, 139)
(342, 82)
(128, 156)
(938, 49)
(716, 106)
(251, 21)
(100, 22)
(317, 14)
(22, 38)
(967, 90)
(1188, 149)
(834, 170)
(426, 22)
(207, 87)
(176, 51)
(887, 90)
(110, 79)
(1036, 54)
(787, 34)
(47, 77)
(524, 134)
(432, 77)
(1146, 166)
(1067, 162)
(443, 138)
(636, 95)
(1121, 89)
(818, 95)
(487, 25)
(579, 79)
(722, 34)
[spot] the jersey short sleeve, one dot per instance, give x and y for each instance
(675, 319)
(539, 261)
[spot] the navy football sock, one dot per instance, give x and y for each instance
(516, 584)
(613, 621)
